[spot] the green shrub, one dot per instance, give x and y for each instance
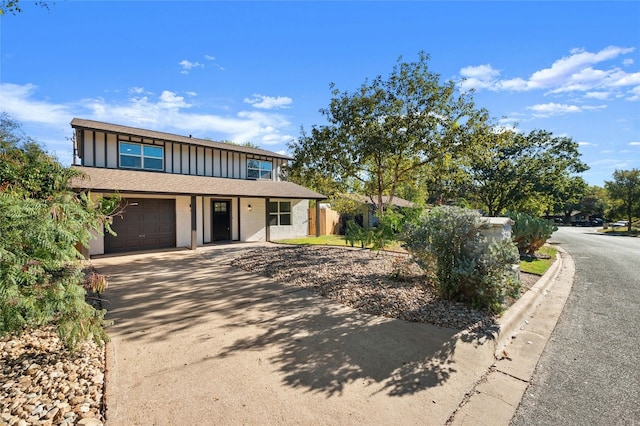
(378, 237)
(468, 268)
(354, 233)
(387, 229)
(41, 222)
(530, 233)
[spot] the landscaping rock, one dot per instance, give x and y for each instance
(377, 283)
(40, 379)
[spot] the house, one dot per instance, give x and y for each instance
(368, 208)
(180, 191)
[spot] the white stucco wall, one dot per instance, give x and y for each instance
(299, 221)
(183, 221)
(252, 222)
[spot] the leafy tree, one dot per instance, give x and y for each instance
(568, 195)
(41, 222)
(387, 132)
(13, 6)
(522, 172)
(594, 202)
(624, 190)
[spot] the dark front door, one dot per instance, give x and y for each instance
(221, 227)
(145, 224)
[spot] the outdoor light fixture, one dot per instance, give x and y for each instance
(249, 207)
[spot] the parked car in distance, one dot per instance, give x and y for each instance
(621, 223)
(591, 222)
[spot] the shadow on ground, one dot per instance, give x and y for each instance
(314, 345)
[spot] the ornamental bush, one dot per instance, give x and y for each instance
(468, 267)
(41, 222)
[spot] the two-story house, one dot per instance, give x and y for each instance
(180, 191)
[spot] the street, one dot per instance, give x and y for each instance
(589, 372)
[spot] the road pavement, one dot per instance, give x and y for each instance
(589, 372)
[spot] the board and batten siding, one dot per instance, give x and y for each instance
(100, 149)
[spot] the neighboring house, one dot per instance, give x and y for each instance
(186, 192)
(368, 208)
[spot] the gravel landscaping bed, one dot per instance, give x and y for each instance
(365, 281)
(42, 384)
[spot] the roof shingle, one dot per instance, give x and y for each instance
(134, 181)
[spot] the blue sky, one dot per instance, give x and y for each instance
(260, 71)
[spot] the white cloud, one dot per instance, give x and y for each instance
(587, 144)
(484, 72)
(593, 107)
(269, 102)
(170, 100)
(634, 143)
(212, 59)
(17, 103)
(597, 95)
(573, 73)
(168, 112)
(554, 109)
(564, 69)
(187, 66)
(634, 94)
(515, 84)
(137, 90)
(479, 77)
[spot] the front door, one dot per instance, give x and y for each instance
(221, 226)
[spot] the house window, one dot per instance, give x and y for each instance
(257, 169)
(279, 213)
(138, 156)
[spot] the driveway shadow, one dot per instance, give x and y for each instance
(312, 344)
(323, 347)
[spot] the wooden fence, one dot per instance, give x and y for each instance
(329, 222)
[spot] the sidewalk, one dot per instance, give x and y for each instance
(525, 330)
(198, 342)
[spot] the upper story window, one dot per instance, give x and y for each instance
(138, 156)
(257, 169)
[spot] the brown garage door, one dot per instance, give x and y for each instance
(146, 224)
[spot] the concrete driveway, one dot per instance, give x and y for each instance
(196, 341)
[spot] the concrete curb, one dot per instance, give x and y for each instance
(524, 332)
(514, 318)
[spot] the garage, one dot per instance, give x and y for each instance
(147, 223)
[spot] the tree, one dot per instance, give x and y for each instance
(569, 195)
(13, 6)
(386, 132)
(624, 190)
(522, 172)
(595, 201)
(41, 222)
